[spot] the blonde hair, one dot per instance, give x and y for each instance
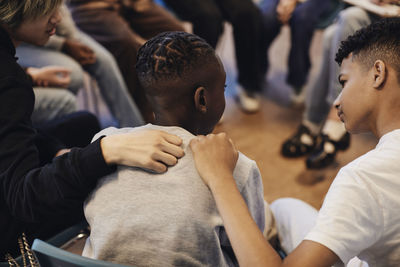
(14, 12)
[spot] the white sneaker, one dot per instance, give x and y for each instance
(249, 101)
(298, 100)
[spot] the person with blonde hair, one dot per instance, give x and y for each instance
(38, 200)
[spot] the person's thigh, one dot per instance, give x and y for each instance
(107, 27)
(294, 219)
(35, 56)
(74, 130)
(52, 103)
(268, 9)
(190, 9)
(151, 20)
(235, 10)
(112, 85)
(205, 16)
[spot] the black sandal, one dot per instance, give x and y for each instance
(294, 147)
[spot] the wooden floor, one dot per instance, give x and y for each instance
(260, 135)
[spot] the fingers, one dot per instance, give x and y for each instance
(58, 69)
(165, 158)
(173, 139)
(64, 81)
(87, 60)
(156, 167)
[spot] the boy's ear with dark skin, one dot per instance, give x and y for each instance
(200, 99)
(379, 69)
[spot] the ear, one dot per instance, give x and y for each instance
(200, 99)
(379, 71)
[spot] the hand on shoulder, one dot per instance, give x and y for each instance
(215, 157)
(150, 149)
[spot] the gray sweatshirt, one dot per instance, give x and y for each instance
(145, 219)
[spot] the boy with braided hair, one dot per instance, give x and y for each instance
(144, 219)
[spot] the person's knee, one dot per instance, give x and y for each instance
(105, 63)
(69, 102)
(352, 15)
(209, 25)
(327, 36)
(303, 20)
(248, 14)
(76, 78)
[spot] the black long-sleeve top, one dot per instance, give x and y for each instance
(31, 195)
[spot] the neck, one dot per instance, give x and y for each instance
(166, 119)
(386, 123)
(9, 32)
(386, 119)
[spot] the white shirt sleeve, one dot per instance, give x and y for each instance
(350, 219)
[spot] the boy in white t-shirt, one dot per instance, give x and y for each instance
(361, 212)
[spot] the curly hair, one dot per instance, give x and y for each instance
(171, 55)
(14, 12)
(379, 40)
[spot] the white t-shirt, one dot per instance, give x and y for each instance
(360, 215)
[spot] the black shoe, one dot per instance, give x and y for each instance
(320, 158)
(294, 147)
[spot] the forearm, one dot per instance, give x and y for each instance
(249, 245)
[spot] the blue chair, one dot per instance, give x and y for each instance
(50, 256)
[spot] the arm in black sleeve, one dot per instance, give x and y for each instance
(32, 193)
(47, 146)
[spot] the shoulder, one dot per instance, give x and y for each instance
(112, 131)
(12, 73)
(246, 169)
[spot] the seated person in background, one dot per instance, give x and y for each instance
(208, 17)
(141, 218)
(122, 26)
(302, 17)
(73, 49)
(52, 100)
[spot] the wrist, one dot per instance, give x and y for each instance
(109, 150)
(65, 46)
(221, 182)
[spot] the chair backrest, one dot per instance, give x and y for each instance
(51, 256)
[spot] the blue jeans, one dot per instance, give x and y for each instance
(52, 103)
(302, 25)
(326, 87)
(104, 70)
(207, 17)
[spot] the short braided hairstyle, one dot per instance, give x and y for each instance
(379, 40)
(171, 55)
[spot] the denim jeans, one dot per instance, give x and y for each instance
(302, 25)
(52, 103)
(207, 17)
(104, 70)
(326, 87)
